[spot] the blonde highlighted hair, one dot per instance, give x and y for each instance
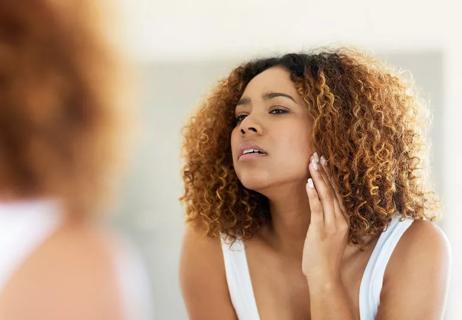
(367, 123)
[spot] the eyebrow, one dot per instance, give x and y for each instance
(266, 96)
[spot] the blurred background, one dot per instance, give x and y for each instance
(180, 49)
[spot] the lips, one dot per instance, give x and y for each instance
(251, 151)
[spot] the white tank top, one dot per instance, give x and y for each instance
(25, 225)
(240, 285)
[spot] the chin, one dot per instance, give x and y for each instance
(265, 183)
(254, 181)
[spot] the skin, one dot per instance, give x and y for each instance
(70, 276)
(314, 273)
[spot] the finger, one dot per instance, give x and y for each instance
(315, 205)
(328, 178)
(336, 214)
(323, 170)
(339, 206)
(324, 193)
(325, 166)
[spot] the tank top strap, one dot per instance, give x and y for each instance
(238, 279)
(24, 226)
(372, 280)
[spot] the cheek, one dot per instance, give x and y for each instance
(298, 160)
(296, 151)
(298, 144)
(233, 138)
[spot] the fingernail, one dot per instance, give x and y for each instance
(316, 157)
(314, 164)
(323, 161)
(310, 183)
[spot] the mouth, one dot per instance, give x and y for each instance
(251, 152)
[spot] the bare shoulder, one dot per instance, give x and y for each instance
(203, 278)
(70, 276)
(201, 257)
(416, 278)
(423, 242)
(427, 231)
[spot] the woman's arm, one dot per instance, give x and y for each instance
(203, 279)
(324, 247)
(329, 300)
(416, 279)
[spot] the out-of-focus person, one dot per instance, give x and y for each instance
(60, 134)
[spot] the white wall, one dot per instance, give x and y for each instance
(205, 38)
(204, 29)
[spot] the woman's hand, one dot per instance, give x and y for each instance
(327, 234)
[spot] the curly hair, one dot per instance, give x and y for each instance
(58, 110)
(367, 122)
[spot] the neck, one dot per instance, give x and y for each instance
(290, 217)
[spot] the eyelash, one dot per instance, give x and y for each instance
(240, 117)
(280, 111)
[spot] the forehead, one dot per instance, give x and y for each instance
(273, 79)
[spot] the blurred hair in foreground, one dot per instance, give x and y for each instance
(60, 103)
(61, 134)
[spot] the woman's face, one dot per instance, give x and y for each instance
(271, 142)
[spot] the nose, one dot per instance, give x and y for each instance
(249, 125)
(249, 129)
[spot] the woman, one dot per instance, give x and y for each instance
(305, 198)
(59, 149)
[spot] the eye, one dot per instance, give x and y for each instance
(240, 117)
(278, 110)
